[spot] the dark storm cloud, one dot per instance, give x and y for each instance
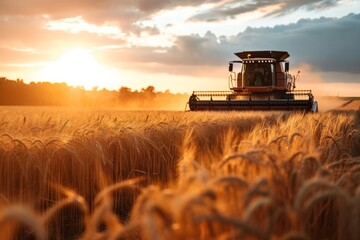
(328, 44)
(186, 50)
(233, 8)
(195, 50)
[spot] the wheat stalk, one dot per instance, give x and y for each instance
(241, 225)
(24, 215)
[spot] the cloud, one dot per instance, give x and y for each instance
(66, 8)
(328, 44)
(125, 17)
(231, 9)
(124, 14)
(27, 32)
(325, 44)
(190, 55)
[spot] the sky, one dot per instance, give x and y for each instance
(177, 45)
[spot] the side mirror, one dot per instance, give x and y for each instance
(230, 67)
(286, 66)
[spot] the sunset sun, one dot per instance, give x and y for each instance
(78, 67)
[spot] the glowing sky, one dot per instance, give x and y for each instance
(177, 45)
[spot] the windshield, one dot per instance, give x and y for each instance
(258, 74)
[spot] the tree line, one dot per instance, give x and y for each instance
(17, 92)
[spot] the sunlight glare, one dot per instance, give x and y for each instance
(77, 67)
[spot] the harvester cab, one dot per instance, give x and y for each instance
(261, 82)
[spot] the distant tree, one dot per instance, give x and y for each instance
(149, 89)
(16, 92)
(124, 90)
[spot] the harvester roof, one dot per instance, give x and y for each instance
(277, 55)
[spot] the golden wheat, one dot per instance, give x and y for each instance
(108, 174)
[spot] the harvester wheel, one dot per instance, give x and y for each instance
(192, 102)
(315, 107)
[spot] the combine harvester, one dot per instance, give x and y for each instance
(262, 84)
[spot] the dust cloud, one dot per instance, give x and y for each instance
(311, 79)
(328, 103)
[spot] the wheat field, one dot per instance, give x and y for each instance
(90, 173)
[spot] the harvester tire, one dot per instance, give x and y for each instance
(192, 102)
(315, 107)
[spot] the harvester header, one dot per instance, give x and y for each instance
(262, 83)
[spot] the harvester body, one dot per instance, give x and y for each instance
(263, 83)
